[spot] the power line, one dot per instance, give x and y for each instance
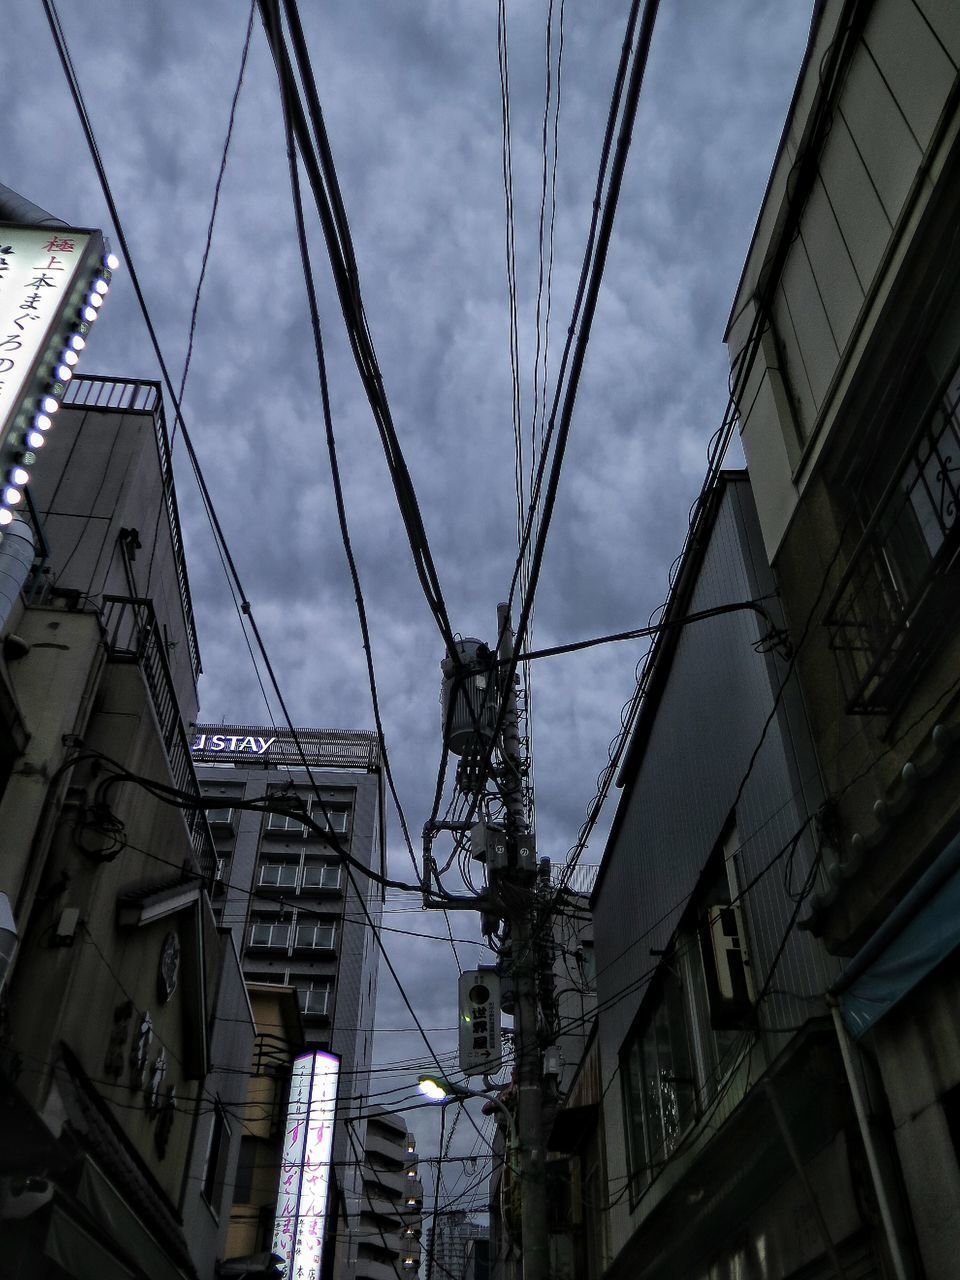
(317, 157)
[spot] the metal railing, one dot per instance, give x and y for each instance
(580, 879)
(125, 395)
(133, 634)
(893, 601)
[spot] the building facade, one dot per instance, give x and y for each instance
(124, 1024)
(849, 421)
(391, 1212)
(455, 1246)
(730, 1140)
(299, 914)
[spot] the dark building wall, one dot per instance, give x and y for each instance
(703, 718)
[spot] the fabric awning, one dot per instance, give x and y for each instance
(921, 932)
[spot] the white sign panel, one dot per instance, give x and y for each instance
(305, 1166)
(479, 998)
(38, 266)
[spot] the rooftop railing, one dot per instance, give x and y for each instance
(125, 395)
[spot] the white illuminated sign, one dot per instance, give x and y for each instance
(240, 743)
(37, 267)
(305, 1165)
(52, 284)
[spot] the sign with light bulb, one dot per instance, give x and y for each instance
(300, 1223)
(478, 992)
(52, 284)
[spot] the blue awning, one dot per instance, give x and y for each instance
(921, 931)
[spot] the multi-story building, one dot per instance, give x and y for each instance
(391, 1211)
(452, 1245)
(124, 1026)
(729, 1136)
(279, 1039)
(850, 425)
(299, 914)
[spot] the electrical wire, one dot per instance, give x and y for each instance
(315, 151)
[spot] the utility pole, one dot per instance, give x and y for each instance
(477, 697)
(533, 1190)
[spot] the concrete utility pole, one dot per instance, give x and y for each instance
(533, 1189)
(475, 694)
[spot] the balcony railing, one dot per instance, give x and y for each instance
(133, 635)
(895, 599)
(123, 395)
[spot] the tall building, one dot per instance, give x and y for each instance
(298, 915)
(392, 1209)
(125, 1030)
(457, 1246)
(710, 1130)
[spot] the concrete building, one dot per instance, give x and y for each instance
(124, 1025)
(455, 1244)
(297, 914)
(279, 1039)
(391, 1213)
(849, 421)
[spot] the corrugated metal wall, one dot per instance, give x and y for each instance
(717, 696)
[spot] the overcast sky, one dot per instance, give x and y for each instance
(411, 95)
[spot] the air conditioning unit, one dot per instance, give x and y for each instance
(729, 978)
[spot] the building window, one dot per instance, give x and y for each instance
(246, 1164)
(335, 818)
(899, 593)
(659, 1087)
(322, 875)
(284, 822)
(271, 934)
(315, 997)
(217, 1153)
(316, 937)
(221, 818)
(279, 875)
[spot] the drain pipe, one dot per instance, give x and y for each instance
(859, 1104)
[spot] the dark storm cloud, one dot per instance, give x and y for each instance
(411, 96)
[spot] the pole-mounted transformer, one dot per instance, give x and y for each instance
(469, 698)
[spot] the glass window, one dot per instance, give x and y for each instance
(316, 936)
(283, 822)
(335, 818)
(658, 1080)
(216, 1166)
(243, 1183)
(322, 875)
(220, 817)
(279, 875)
(265, 934)
(315, 997)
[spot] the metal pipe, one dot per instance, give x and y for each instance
(859, 1105)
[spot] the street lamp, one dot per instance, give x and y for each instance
(440, 1089)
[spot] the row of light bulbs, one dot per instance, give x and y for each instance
(34, 437)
